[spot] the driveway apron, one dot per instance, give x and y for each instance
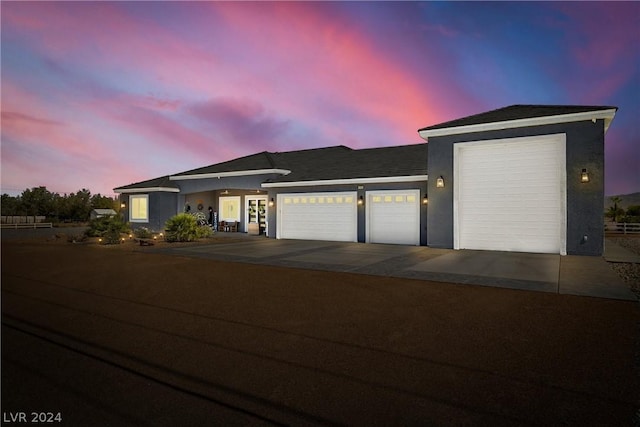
(574, 275)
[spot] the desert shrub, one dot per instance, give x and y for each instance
(108, 228)
(143, 233)
(181, 228)
(203, 232)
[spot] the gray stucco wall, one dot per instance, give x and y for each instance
(162, 206)
(585, 201)
(361, 190)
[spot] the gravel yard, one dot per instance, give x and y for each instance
(629, 272)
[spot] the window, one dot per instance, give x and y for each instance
(139, 208)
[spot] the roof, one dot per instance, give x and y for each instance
(343, 163)
(520, 116)
(337, 163)
(157, 184)
(252, 162)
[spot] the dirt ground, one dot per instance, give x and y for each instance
(296, 347)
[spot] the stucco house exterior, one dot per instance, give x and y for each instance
(526, 178)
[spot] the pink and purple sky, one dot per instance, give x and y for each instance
(102, 94)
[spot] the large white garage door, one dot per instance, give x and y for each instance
(510, 195)
(393, 217)
(318, 216)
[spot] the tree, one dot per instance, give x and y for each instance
(614, 211)
(37, 201)
(9, 205)
(99, 201)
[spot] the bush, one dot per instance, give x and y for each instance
(108, 228)
(143, 233)
(181, 228)
(204, 231)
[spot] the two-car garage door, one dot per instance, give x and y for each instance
(510, 195)
(318, 216)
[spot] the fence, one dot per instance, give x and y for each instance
(15, 219)
(622, 227)
(28, 225)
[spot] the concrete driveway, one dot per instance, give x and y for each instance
(573, 275)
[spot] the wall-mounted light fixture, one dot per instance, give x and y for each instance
(271, 202)
(123, 205)
(584, 176)
(425, 200)
(440, 182)
(360, 201)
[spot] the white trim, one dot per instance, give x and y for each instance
(229, 174)
(146, 190)
(382, 180)
(561, 177)
(607, 115)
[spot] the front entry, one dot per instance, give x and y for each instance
(256, 214)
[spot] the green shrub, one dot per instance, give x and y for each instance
(108, 228)
(143, 233)
(203, 232)
(181, 228)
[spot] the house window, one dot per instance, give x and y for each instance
(139, 208)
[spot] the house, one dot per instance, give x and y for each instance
(526, 178)
(99, 213)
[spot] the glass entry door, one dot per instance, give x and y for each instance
(257, 213)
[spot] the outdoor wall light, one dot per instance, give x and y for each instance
(360, 201)
(440, 182)
(271, 202)
(123, 205)
(584, 176)
(425, 200)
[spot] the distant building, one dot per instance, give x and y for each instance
(99, 213)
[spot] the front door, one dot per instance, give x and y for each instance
(256, 213)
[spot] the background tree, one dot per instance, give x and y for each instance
(614, 211)
(37, 201)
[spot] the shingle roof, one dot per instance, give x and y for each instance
(162, 182)
(517, 112)
(344, 163)
(252, 162)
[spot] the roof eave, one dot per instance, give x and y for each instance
(230, 174)
(372, 180)
(607, 115)
(146, 190)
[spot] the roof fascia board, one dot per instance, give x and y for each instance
(146, 190)
(607, 115)
(229, 174)
(378, 180)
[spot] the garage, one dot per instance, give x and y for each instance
(393, 217)
(318, 216)
(509, 194)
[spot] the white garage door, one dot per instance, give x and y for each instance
(393, 217)
(510, 195)
(318, 216)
